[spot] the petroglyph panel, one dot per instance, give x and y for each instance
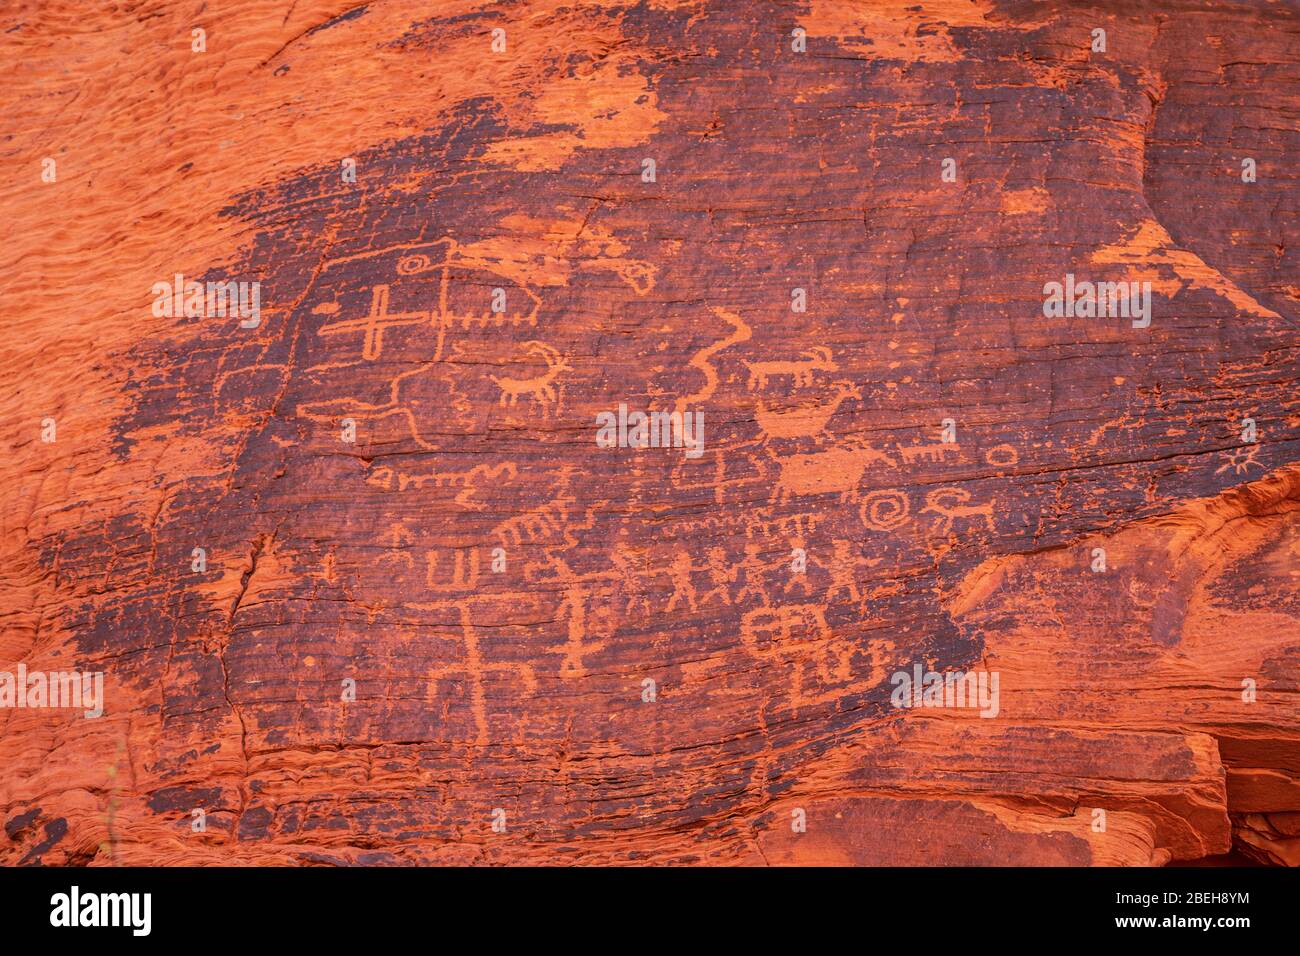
(363, 572)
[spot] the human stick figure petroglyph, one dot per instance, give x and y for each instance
(679, 572)
(573, 607)
(843, 569)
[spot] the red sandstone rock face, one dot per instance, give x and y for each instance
(1146, 712)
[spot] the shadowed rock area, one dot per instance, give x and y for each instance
(365, 584)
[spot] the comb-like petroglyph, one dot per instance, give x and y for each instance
(364, 573)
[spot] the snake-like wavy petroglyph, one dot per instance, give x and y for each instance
(808, 421)
(701, 359)
(817, 359)
(950, 505)
(390, 479)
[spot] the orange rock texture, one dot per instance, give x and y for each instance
(376, 569)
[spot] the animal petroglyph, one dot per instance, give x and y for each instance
(535, 253)
(816, 359)
(950, 505)
(808, 421)
(837, 470)
(539, 388)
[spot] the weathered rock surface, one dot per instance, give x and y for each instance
(477, 689)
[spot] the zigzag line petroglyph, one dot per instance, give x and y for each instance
(538, 524)
(390, 479)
